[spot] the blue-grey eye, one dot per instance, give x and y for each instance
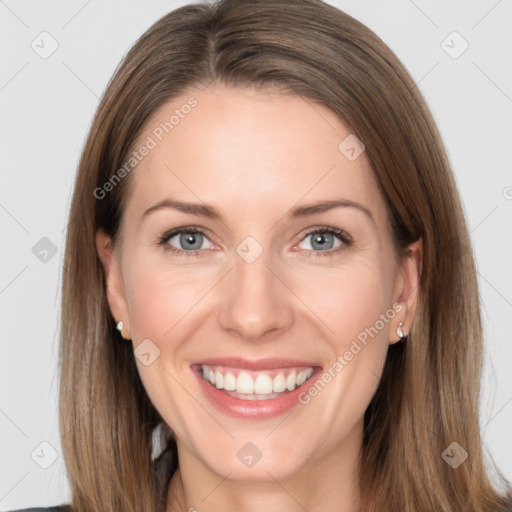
(322, 240)
(188, 240)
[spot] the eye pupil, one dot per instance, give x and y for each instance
(195, 239)
(323, 240)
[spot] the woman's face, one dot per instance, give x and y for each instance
(248, 297)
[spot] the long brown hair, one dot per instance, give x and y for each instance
(429, 393)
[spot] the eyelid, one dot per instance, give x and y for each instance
(164, 239)
(340, 233)
(343, 236)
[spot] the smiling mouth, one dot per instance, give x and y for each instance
(255, 385)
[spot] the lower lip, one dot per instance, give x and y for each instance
(253, 409)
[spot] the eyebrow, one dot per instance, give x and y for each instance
(210, 212)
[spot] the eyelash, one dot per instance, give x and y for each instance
(343, 236)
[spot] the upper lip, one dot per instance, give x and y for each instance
(256, 364)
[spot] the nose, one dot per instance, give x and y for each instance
(257, 305)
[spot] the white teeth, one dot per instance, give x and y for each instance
(229, 382)
(219, 380)
(244, 384)
(301, 377)
(263, 384)
(262, 387)
(291, 380)
(279, 383)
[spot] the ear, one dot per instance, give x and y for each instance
(115, 288)
(407, 289)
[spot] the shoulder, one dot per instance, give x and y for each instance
(58, 508)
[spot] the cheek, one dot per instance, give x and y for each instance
(350, 300)
(354, 305)
(159, 296)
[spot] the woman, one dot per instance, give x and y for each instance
(268, 279)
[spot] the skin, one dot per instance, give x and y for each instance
(254, 156)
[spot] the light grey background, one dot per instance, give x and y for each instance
(47, 106)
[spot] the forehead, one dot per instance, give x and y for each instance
(248, 152)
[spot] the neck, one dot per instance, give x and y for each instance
(330, 482)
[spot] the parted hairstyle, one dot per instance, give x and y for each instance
(428, 396)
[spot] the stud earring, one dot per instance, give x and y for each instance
(119, 326)
(400, 332)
